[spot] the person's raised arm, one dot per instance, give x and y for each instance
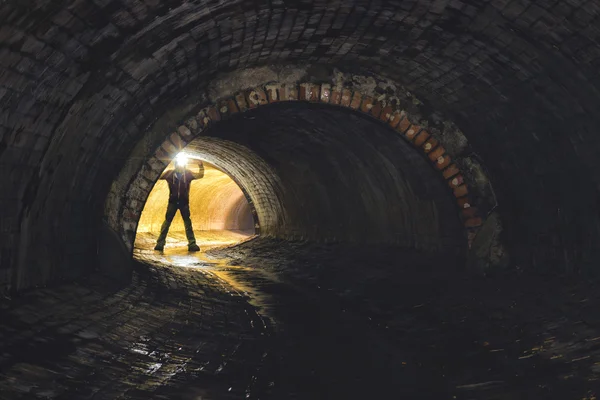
(200, 173)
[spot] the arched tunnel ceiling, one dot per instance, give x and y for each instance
(80, 81)
(324, 173)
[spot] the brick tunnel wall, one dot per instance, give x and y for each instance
(261, 185)
(81, 81)
(312, 111)
(340, 176)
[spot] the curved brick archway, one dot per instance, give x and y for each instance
(509, 89)
(383, 108)
(82, 82)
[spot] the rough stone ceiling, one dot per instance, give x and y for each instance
(80, 81)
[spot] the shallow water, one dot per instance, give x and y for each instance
(272, 319)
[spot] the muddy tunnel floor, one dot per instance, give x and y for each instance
(270, 319)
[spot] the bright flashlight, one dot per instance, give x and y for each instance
(181, 159)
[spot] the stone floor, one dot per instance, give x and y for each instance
(174, 333)
(207, 239)
(292, 320)
(424, 329)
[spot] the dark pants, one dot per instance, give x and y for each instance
(184, 209)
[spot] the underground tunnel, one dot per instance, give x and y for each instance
(399, 199)
(220, 213)
(322, 174)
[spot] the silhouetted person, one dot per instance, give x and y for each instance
(179, 180)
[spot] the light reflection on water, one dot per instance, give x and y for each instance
(236, 280)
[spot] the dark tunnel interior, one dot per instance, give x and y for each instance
(397, 199)
(339, 177)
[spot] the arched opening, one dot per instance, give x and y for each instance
(201, 129)
(219, 211)
(89, 90)
(320, 173)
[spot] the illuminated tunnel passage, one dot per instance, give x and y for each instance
(355, 286)
(219, 211)
(325, 174)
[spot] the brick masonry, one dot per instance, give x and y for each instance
(153, 338)
(80, 82)
(267, 198)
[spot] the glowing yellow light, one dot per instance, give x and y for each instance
(181, 159)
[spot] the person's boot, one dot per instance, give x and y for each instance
(159, 247)
(193, 247)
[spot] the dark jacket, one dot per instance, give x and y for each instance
(179, 184)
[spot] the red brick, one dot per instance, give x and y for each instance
(403, 125)
(412, 132)
(346, 97)
(336, 97)
(356, 98)
(456, 181)
(312, 92)
(376, 109)
(430, 144)
(366, 104)
(303, 93)
(461, 191)
(421, 137)
(443, 161)
(395, 118)
(386, 113)
(242, 104)
(436, 153)
(451, 171)
(213, 113)
(232, 106)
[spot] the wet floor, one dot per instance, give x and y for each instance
(380, 322)
(289, 320)
(318, 348)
